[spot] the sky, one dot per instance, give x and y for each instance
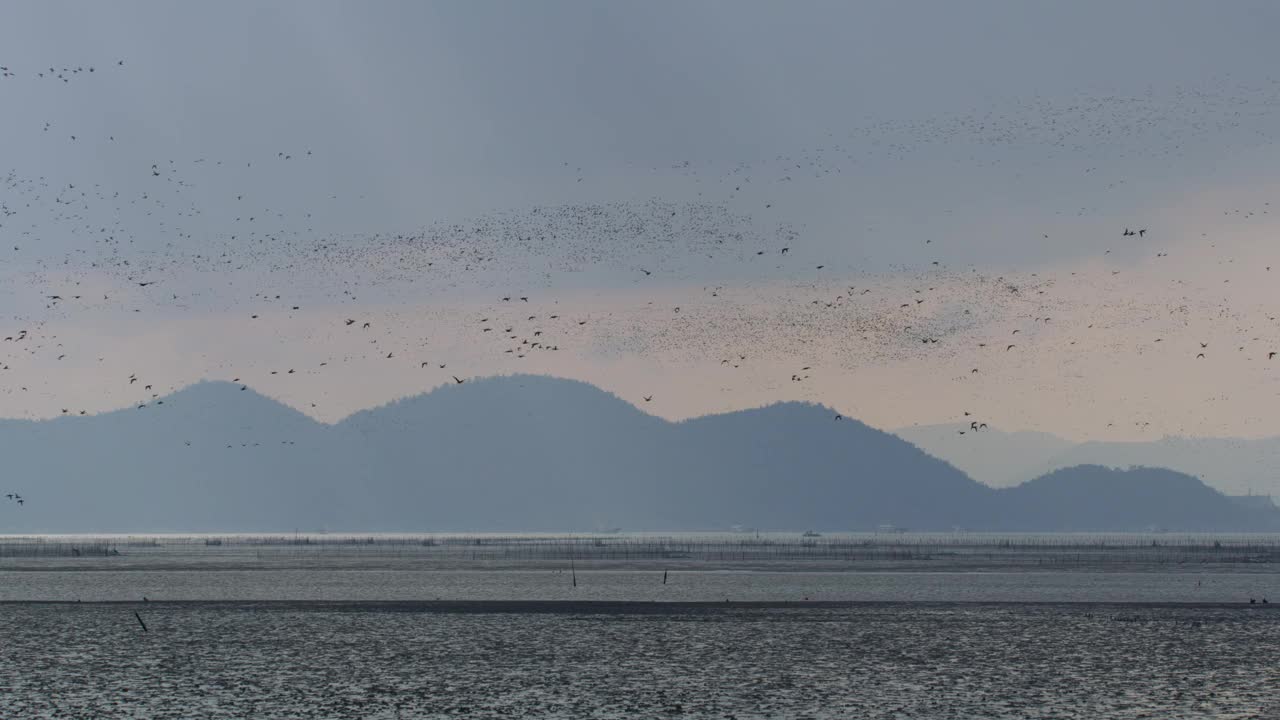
(947, 179)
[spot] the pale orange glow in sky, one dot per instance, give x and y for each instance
(410, 165)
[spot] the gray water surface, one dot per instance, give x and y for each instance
(626, 585)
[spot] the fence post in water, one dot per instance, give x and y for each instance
(144, 625)
(664, 577)
(574, 572)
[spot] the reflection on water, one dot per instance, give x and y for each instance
(941, 567)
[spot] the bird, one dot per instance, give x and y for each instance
(458, 380)
(1007, 349)
(1271, 355)
(647, 398)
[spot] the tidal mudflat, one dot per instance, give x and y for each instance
(405, 660)
(619, 627)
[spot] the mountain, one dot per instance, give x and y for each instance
(1092, 497)
(532, 453)
(1233, 465)
(991, 456)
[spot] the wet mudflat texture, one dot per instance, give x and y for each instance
(633, 585)
(889, 660)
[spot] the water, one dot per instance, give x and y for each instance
(875, 661)
(644, 586)
(1055, 627)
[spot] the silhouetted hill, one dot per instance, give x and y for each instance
(534, 453)
(1092, 497)
(992, 456)
(1235, 466)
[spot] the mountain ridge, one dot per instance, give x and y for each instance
(524, 452)
(1000, 458)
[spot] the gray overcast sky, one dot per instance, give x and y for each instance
(877, 139)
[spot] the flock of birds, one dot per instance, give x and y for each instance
(160, 243)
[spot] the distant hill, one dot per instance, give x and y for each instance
(1233, 465)
(990, 456)
(535, 453)
(1092, 497)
